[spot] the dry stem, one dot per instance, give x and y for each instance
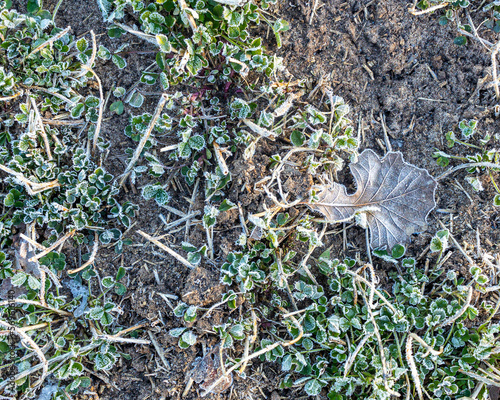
(32, 187)
(144, 36)
(142, 143)
(413, 11)
(460, 312)
(35, 303)
(159, 350)
(353, 355)
(12, 97)
(494, 52)
(60, 358)
(380, 345)
(315, 6)
(54, 245)
(429, 349)
(51, 40)
(32, 242)
(380, 295)
(91, 259)
(42, 129)
(413, 367)
(178, 257)
(192, 23)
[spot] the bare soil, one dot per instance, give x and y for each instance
(386, 64)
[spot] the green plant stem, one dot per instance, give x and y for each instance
(56, 9)
(449, 335)
(493, 181)
(239, 44)
(468, 144)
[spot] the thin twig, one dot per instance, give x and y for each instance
(429, 349)
(353, 355)
(188, 387)
(494, 52)
(484, 42)
(54, 245)
(12, 97)
(315, 6)
(303, 263)
(207, 313)
(144, 139)
(159, 350)
(192, 23)
(50, 41)
(61, 358)
(91, 259)
(32, 242)
(375, 291)
(178, 257)
(179, 221)
(53, 93)
(380, 344)
(32, 187)
(413, 11)
(460, 312)
(132, 328)
(35, 303)
(282, 276)
(480, 378)
(42, 129)
(52, 276)
(474, 30)
(191, 205)
(457, 245)
(144, 36)
(249, 340)
(118, 339)
(386, 136)
(413, 367)
(94, 50)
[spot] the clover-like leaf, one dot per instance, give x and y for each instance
(395, 197)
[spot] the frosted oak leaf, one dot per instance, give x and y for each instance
(394, 196)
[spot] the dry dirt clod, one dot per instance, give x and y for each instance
(202, 288)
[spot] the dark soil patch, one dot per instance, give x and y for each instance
(386, 64)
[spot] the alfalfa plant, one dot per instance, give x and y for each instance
(53, 176)
(53, 183)
(41, 341)
(208, 39)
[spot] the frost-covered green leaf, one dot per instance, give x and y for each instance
(156, 192)
(136, 99)
(119, 61)
(163, 43)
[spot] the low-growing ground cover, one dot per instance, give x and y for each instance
(158, 222)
